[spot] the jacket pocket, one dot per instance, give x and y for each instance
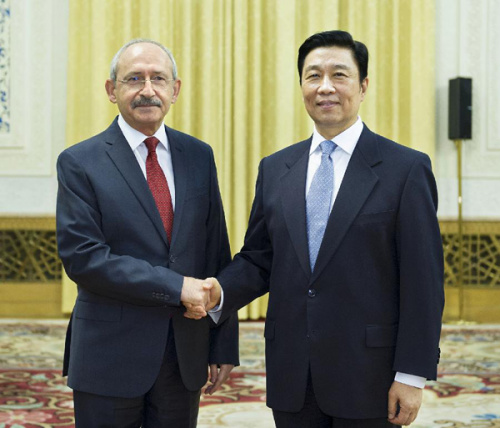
(269, 330)
(379, 336)
(98, 311)
(378, 217)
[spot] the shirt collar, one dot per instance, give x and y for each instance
(136, 138)
(346, 140)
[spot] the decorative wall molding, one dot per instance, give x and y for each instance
(480, 252)
(28, 252)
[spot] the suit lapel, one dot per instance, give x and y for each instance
(180, 165)
(125, 161)
(359, 181)
(293, 200)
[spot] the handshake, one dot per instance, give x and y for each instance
(199, 296)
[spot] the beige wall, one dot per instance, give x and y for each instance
(37, 97)
(467, 45)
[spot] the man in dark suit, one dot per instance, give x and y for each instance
(344, 237)
(139, 216)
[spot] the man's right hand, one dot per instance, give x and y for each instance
(196, 292)
(404, 403)
(198, 311)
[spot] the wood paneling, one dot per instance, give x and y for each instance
(30, 300)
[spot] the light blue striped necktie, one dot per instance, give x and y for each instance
(318, 201)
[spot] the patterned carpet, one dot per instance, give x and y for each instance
(34, 395)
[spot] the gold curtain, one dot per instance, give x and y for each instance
(240, 91)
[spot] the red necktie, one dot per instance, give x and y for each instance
(159, 186)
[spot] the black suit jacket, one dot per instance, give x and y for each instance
(113, 245)
(373, 304)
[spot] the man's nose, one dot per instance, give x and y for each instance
(326, 85)
(148, 89)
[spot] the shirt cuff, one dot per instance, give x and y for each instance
(216, 312)
(215, 316)
(412, 380)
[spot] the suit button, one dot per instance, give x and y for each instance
(172, 258)
(311, 292)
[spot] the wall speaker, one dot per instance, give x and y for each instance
(460, 109)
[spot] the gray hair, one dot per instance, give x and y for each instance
(116, 58)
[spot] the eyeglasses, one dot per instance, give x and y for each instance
(158, 82)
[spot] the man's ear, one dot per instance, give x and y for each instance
(364, 87)
(177, 89)
(110, 90)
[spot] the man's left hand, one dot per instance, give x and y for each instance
(408, 399)
(218, 376)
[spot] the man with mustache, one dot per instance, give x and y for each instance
(344, 236)
(139, 216)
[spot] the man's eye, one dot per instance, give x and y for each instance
(133, 79)
(158, 79)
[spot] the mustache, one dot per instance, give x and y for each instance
(146, 102)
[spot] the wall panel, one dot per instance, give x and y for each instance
(467, 40)
(33, 52)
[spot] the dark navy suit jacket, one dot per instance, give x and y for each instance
(113, 245)
(373, 304)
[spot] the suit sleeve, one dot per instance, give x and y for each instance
(87, 258)
(247, 276)
(420, 254)
(224, 338)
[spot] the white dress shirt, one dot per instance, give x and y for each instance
(346, 143)
(136, 141)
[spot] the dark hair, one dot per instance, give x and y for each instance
(335, 38)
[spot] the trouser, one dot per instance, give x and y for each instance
(311, 416)
(168, 404)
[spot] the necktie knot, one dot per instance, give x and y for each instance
(151, 143)
(327, 147)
